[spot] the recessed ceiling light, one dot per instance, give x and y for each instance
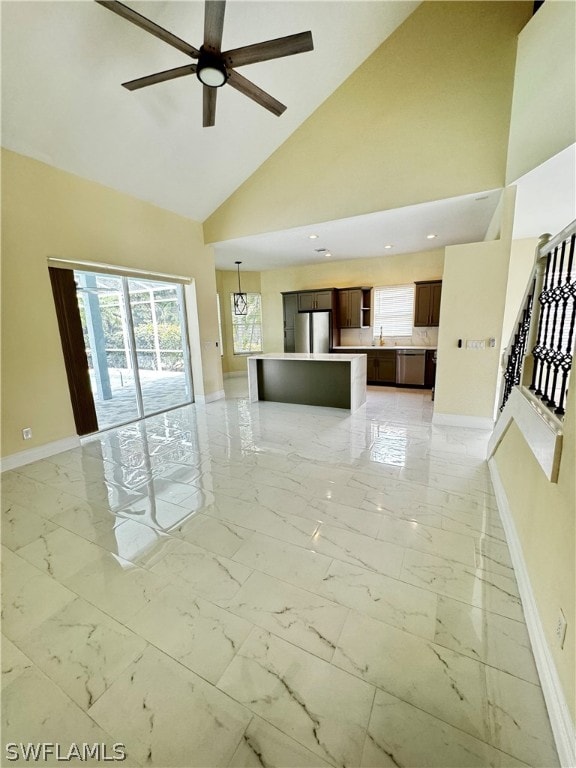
(313, 237)
(387, 247)
(431, 237)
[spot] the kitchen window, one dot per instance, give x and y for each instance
(247, 329)
(393, 310)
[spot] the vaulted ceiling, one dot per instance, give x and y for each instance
(62, 103)
(63, 64)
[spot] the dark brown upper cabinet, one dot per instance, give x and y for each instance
(308, 301)
(354, 307)
(427, 303)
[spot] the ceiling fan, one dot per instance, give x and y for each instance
(215, 67)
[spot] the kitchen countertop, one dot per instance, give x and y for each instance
(385, 347)
(329, 357)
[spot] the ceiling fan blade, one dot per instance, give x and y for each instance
(214, 24)
(209, 106)
(255, 93)
(160, 77)
(271, 49)
(144, 23)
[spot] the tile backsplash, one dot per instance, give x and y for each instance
(425, 337)
(362, 337)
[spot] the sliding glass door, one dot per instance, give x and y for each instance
(136, 343)
(161, 357)
(107, 339)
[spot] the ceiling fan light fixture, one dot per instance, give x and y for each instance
(211, 71)
(215, 68)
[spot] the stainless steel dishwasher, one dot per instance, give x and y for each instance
(410, 366)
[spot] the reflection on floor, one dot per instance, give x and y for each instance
(265, 584)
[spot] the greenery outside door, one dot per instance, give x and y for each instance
(136, 344)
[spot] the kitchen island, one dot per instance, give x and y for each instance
(330, 380)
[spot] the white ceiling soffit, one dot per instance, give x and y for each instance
(455, 220)
(63, 64)
(546, 196)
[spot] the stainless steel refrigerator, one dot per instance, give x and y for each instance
(313, 332)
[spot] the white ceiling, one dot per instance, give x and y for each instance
(456, 220)
(62, 101)
(545, 202)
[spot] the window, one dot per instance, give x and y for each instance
(394, 310)
(247, 329)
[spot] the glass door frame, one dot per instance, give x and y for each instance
(182, 314)
(66, 292)
(132, 350)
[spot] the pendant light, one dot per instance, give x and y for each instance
(240, 299)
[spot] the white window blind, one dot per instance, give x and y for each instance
(393, 310)
(247, 329)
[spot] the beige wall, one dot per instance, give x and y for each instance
(385, 270)
(473, 295)
(473, 306)
(543, 514)
(50, 213)
(544, 104)
(426, 117)
(226, 284)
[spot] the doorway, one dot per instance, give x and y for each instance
(136, 345)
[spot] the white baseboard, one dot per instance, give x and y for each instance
(455, 420)
(210, 397)
(558, 712)
(21, 458)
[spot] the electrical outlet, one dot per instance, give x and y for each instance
(27, 433)
(561, 629)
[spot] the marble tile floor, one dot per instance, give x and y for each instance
(259, 584)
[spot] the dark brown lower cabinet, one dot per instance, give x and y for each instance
(430, 370)
(381, 367)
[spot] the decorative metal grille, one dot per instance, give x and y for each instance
(513, 372)
(553, 350)
(547, 325)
